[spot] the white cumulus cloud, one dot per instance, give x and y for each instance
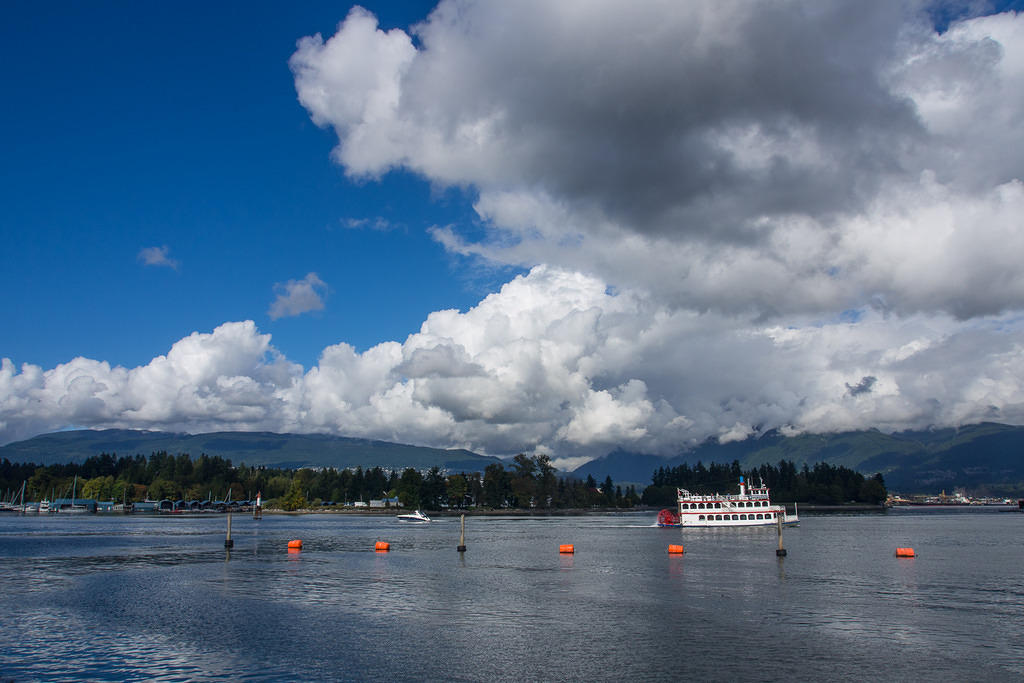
(556, 363)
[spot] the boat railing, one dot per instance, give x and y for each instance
(685, 496)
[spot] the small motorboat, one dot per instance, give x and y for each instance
(416, 516)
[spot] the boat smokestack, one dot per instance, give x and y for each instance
(743, 487)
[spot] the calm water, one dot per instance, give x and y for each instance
(128, 598)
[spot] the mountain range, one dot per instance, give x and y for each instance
(986, 458)
(251, 448)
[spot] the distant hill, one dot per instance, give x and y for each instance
(624, 468)
(986, 458)
(251, 448)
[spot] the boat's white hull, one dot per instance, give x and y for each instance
(413, 517)
(789, 520)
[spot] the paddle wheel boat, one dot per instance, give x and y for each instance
(751, 507)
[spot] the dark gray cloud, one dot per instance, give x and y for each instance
(861, 387)
(624, 109)
(757, 158)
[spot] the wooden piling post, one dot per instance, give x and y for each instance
(462, 534)
(228, 543)
(781, 552)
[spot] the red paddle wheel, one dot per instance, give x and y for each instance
(668, 518)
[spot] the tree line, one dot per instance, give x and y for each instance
(529, 482)
(823, 484)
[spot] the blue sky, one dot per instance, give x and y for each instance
(135, 125)
(544, 227)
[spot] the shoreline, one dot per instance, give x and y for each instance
(564, 512)
(479, 512)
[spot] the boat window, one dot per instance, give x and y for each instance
(743, 516)
(760, 516)
(735, 516)
(700, 518)
(701, 506)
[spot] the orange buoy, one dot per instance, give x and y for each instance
(295, 545)
(382, 547)
(566, 549)
(675, 550)
(905, 552)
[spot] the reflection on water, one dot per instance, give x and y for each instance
(115, 598)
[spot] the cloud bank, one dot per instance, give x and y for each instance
(735, 216)
(554, 363)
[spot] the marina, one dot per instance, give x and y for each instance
(78, 505)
